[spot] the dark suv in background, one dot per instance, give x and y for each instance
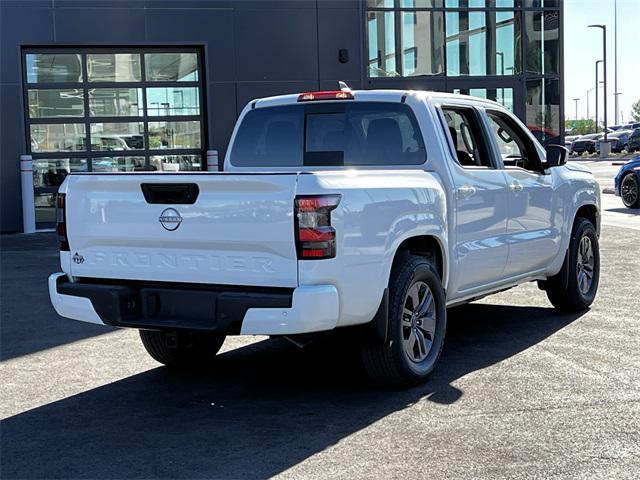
(586, 143)
(633, 143)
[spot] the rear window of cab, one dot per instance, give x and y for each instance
(329, 134)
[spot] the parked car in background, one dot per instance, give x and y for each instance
(627, 183)
(568, 141)
(619, 141)
(633, 144)
(586, 143)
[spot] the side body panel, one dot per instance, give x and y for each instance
(535, 225)
(480, 227)
(377, 212)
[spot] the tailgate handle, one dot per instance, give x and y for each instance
(170, 193)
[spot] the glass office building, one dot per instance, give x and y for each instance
(151, 85)
(509, 51)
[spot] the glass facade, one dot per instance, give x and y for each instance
(508, 51)
(105, 110)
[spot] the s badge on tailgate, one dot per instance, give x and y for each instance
(170, 219)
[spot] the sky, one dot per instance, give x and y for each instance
(583, 46)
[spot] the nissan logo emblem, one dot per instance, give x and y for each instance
(170, 219)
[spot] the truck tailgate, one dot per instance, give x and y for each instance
(239, 230)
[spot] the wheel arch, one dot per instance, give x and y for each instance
(591, 213)
(428, 246)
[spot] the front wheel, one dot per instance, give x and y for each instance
(574, 288)
(629, 191)
(182, 349)
(417, 324)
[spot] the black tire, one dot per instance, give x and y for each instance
(388, 363)
(630, 191)
(563, 289)
(182, 349)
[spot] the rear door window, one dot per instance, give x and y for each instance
(329, 134)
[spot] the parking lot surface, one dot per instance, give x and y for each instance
(520, 392)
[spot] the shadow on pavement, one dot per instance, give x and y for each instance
(29, 323)
(262, 409)
(628, 211)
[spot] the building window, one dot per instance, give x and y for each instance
(478, 38)
(542, 37)
(543, 110)
(111, 110)
(503, 96)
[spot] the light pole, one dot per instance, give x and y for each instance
(615, 96)
(576, 100)
(596, 87)
(588, 92)
(604, 66)
(615, 57)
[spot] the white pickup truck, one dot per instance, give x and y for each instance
(365, 210)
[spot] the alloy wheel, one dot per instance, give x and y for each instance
(629, 190)
(418, 322)
(586, 264)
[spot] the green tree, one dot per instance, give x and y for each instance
(635, 111)
(580, 127)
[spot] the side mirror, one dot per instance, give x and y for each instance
(556, 155)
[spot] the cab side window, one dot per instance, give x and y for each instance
(466, 137)
(516, 148)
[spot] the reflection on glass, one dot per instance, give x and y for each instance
(53, 68)
(55, 103)
(52, 172)
(541, 3)
(60, 137)
(422, 43)
(382, 47)
(174, 135)
(118, 164)
(543, 110)
(174, 163)
(482, 43)
(504, 96)
(380, 3)
(115, 102)
(483, 3)
(173, 101)
(113, 67)
(171, 67)
(420, 3)
(542, 37)
(45, 206)
(117, 136)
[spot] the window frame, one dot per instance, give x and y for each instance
(85, 86)
(483, 143)
(525, 136)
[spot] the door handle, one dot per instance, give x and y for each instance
(516, 187)
(466, 191)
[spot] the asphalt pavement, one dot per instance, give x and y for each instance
(520, 392)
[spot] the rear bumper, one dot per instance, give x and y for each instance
(175, 306)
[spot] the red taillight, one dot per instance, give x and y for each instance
(61, 222)
(315, 237)
(326, 95)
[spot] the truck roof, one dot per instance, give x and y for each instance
(386, 95)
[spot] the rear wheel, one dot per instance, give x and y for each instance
(574, 288)
(416, 326)
(182, 349)
(629, 191)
